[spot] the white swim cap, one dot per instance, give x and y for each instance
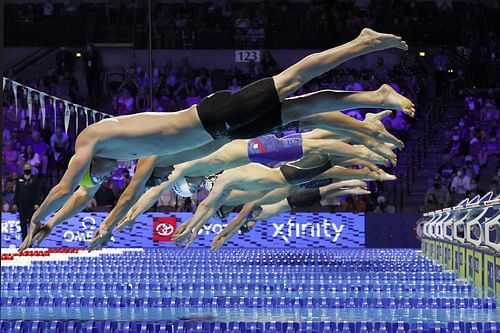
(182, 188)
(209, 181)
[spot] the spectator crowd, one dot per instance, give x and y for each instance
(249, 24)
(468, 158)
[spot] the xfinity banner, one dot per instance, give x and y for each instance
(300, 230)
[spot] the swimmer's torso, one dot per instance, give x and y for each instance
(146, 134)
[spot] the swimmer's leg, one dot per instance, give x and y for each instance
(296, 108)
(295, 76)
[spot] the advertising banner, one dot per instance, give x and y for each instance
(300, 230)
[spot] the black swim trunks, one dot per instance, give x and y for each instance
(225, 113)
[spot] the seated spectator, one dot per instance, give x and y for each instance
(104, 197)
(8, 195)
(124, 181)
(383, 207)
(157, 107)
(142, 100)
(440, 194)
(460, 185)
(32, 158)
(431, 203)
(141, 78)
(168, 199)
(117, 108)
(186, 205)
(203, 83)
(269, 65)
(256, 35)
(398, 121)
(235, 85)
(252, 71)
(59, 152)
(61, 88)
(188, 36)
(242, 21)
(10, 157)
(233, 72)
(127, 100)
(48, 9)
(42, 85)
(72, 6)
(42, 149)
(471, 169)
(493, 145)
(6, 135)
(129, 82)
(489, 113)
(186, 70)
(193, 98)
(59, 140)
(353, 85)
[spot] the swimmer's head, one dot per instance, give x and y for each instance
(209, 181)
(184, 188)
(248, 226)
(195, 181)
(159, 175)
(223, 212)
(102, 168)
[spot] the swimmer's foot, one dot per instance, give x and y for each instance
(370, 156)
(353, 183)
(390, 99)
(377, 41)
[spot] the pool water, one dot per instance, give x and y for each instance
(254, 290)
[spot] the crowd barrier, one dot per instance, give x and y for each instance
(466, 238)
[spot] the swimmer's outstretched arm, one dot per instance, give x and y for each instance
(130, 195)
(207, 208)
(231, 155)
(240, 219)
(228, 156)
(277, 202)
(76, 203)
(283, 206)
(147, 200)
(60, 193)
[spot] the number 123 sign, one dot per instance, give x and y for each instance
(247, 55)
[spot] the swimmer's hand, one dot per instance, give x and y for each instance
(128, 220)
(34, 228)
(183, 232)
(38, 233)
(146, 201)
(232, 228)
(221, 238)
(101, 238)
